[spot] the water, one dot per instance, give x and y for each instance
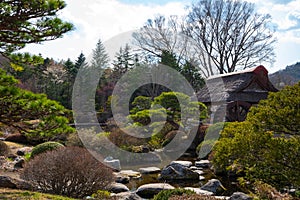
(229, 184)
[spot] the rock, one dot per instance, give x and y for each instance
(19, 162)
(184, 163)
(7, 182)
(130, 173)
(199, 191)
(213, 185)
(195, 168)
(240, 196)
(122, 179)
(149, 170)
(113, 163)
(202, 163)
(118, 188)
(149, 190)
(17, 138)
(22, 151)
(126, 196)
(201, 178)
(221, 197)
(178, 172)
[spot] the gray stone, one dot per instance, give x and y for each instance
(199, 191)
(178, 172)
(127, 196)
(113, 163)
(240, 196)
(122, 179)
(19, 163)
(149, 190)
(182, 162)
(213, 186)
(149, 170)
(118, 188)
(203, 163)
(22, 151)
(7, 182)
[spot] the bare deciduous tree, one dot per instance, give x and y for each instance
(217, 36)
(231, 34)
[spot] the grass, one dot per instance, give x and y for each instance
(11, 194)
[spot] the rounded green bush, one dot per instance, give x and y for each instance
(166, 194)
(47, 146)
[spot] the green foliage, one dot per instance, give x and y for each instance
(166, 194)
(44, 147)
(279, 113)
(101, 194)
(34, 115)
(30, 22)
(6, 193)
(140, 103)
(212, 135)
(266, 146)
(19, 59)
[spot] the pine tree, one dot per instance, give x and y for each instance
(124, 60)
(100, 57)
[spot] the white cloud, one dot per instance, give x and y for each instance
(100, 19)
(105, 19)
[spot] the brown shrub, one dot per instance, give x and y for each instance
(122, 139)
(70, 171)
(4, 149)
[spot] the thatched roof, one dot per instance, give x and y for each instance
(250, 85)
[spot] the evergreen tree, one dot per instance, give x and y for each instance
(23, 22)
(100, 57)
(125, 60)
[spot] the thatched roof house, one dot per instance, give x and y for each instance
(234, 93)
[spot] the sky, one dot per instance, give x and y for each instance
(115, 20)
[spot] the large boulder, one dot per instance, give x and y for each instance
(177, 171)
(149, 190)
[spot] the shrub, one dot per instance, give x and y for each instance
(70, 171)
(4, 149)
(46, 146)
(265, 191)
(101, 194)
(266, 147)
(166, 194)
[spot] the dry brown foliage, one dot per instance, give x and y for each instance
(70, 171)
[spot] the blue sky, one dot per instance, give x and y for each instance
(105, 19)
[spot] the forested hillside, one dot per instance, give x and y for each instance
(289, 76)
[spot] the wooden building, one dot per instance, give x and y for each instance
(231, 95)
